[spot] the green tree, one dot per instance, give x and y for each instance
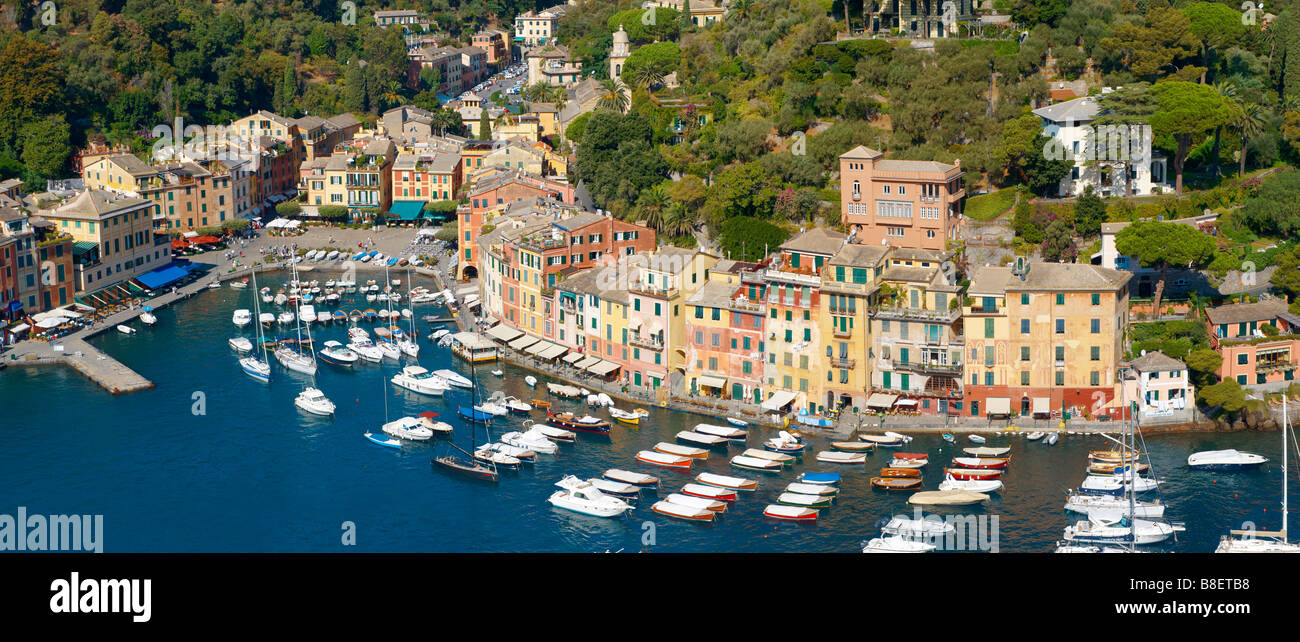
(1130, 107)
(1186, 110)
(1227, 394)
(1161, 245)
(1248, 122)
(1089, 213)
(288, 209)
(613, 95)
(1215, 25)
(484, 125)
(30, 84)
(46, 146)
(745, 238)
(354, 89)
(1203, 365)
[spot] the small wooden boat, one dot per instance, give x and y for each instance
(701, 438)
(657, 458)
(630, 418)
(980, 462)
(947, 498)
(1102, 468)
(973, 473)
(989, 451)
(697, 502)
(1035, 436)
(837, 457)
(881, 440)
(778, 445)
(821, 479)
(783, 459)
(812, 489)
(629, 477)
(721, 431)
(795, 513)
(853, 446)
(1113, 456)
(681, 451)
(540, 403)
(709, 492)
(977, 439)
(586, 423)
(807, 501)
(556, 434)
(737, 422)
(947, 436)
(925, 456)
(900, 472)
(723, 481)
(617, 489)
(899, 462)
(754, 463)
(665, 507)
(894, 483)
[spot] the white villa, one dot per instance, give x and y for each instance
(1069, 123)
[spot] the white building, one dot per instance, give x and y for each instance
(538, 27)
(1100, 154)
(1160, 386)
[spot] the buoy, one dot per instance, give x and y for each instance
(1234, 495)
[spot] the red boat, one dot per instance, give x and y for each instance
(796, 513)
(911, 456)
(965, 474)
(980, 462)
(570, 421)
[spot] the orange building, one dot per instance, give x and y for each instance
(1251, 355)
(904, 203)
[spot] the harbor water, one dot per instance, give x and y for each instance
(211, 460)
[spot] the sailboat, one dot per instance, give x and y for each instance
(407, 344)
(293, 358)
(311, 398)
(253, 366)
(459, 460)
(1251, 541)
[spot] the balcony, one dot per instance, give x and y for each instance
(801, 276)
(649, 290)
(652, 343)
(745, 305)
(917, 314)
(843, 362)
(1274, 366)
(841, 333)
(928, 367)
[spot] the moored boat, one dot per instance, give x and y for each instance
(697, 502)
(794, 513)
(902, 473)
(838, 457)
(947, 498)
(556, 434)
(973, 473)
(881, 440)
(779, 458)
(701, 438)
(681, 451)
(721, 431)
(709, 492)
(896, 544)
(807, 501)
(634, 478)
(977, 439)
(987, 451)
(894, 483)
(801, 488)
(724, 481)
(586, 423)
(972, 485)
(979, 462)
(823, 479)
(853, 446)
(754, 463)
(630, 418)
(657, 458)
(1224, 460)
(679, 511)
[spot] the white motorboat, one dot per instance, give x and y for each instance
(417, 379)
(1106, 528)
(532, 440)
(522, 454)
(240, 344)
(492, 408)
(904, 462)
(1051, 438)
(498, 373)
(488, 455)
(338, 354)
(408, 428)
(977, 439)
(408, 347)
(126, 329)
(307, 313)
(365, 348)
(440, 428)
(1116, 484)
(280, 298)
(1034, 436)
(896, 544)
(1087, 504)
(241, 317)
(454, 378)
(929, 527)
(266, 319)
(148, 318)
(389, 350)
(285, 318)
(583, 497)
(972, 485)
(898, 436)
(314, 401)
(440, 333)
(1224, 460)
(531, 381)
(296, 361)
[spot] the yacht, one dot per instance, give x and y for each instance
(1252, 541)
(408, 428)
(1224, 460)
(241, 344)
(337, 354)
(363, 346)
(307, 313)
(581, 497)
(295, 360)
(417, 379)
(389, 350)
(1105, 527)
(1085, 503)
(454, 378)
(314, 401)
(285, 318)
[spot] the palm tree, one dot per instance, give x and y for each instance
(653, 203)
(613, 95)
(1248, 122)
(677, 222)
(537, 92)
(647, 76)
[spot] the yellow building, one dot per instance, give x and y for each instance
(113, 239)
(795, 355)
(120, 172)
(1043, 338)
(849, 282)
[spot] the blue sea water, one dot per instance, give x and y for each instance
(245, 471)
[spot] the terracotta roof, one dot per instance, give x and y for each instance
(818, 240)
(1266, 310)
(1157, 361)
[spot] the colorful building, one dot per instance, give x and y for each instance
(794, 348)
(904, 203)
(724, 333)
(1251, 355)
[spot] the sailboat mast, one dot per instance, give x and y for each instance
(1131, 470)
(261, 337)
(1286, 399)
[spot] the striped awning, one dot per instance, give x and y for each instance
(588, 362)
(552, 351)
(538, 347)
(523, 342)
(712, 381)
(573, 357)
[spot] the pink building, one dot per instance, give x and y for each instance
(1250, 355)
(909, 204)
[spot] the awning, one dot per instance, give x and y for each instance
(523, 342)
(603, 368)
(588, 362)
(905, 402)
(881, 400)
(407, 210)
(552, 351)
(573, 357)
(999, 405)
(162, 277)
(539, 347)
(634, 324)
(205, 239)
(19, 328)
(712, 382)
(503, 332)
(52, 322)
(1042, 406)
(779, 400)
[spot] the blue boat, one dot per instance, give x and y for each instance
(387, 443)
(474, 415)
(826, 479)
(393, 261)
(947, 436)
(357, 256)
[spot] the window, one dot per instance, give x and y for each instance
(1024, 299)
(1060, 298)
(1096, 299)
(1060, 377)
(1094, 378)
(1024, 326)
(1024, 377)
(988, 328)
(1096, 353)
(1096, 326)
(1060, 326)
(1024, 353)
(1242, 359)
